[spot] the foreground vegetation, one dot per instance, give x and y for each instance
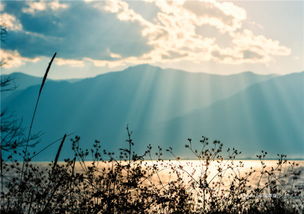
(129, 184)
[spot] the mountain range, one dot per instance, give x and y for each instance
(165, 107)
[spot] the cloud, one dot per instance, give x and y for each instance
(1, 6)
(77, 32)
(248, 39)
(248, 54)
(69, 62)
(225, 16)
(115, 56)
(113, 33)
(10, 22)
(39, 6)
(12, 59)
(173, 33)
(122, 9)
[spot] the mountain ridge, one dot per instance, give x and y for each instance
(101, 107)
(283, 122)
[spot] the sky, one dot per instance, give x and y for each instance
(95, 37)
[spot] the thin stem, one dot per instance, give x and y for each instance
(25, 159)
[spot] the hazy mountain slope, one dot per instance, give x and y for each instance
(22, 81)
(141, 96)
(268, 115)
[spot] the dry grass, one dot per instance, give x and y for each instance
(131, 184)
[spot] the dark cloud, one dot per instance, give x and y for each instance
(173, 55)
(247, 54)
(202, 9)
(147, 10)
(219, 56)
(77, 32)
(13, 7)
(28, 45)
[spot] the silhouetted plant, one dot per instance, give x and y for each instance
(26, 157)
(95, 181)
(12, 138)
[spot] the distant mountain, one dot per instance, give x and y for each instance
(265, 116)
(22, 80)
(142, 96)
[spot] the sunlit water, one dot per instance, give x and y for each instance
(288, 177)
(194, 170)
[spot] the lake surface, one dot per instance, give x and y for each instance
(290, 174)
(219, 178)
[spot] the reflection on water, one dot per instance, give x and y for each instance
(195, 169)
(255, 170)
(221, 183)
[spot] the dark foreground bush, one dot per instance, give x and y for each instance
(132, 183)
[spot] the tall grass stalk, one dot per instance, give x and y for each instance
(49, 145)
(59, 151)
(25, 159)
